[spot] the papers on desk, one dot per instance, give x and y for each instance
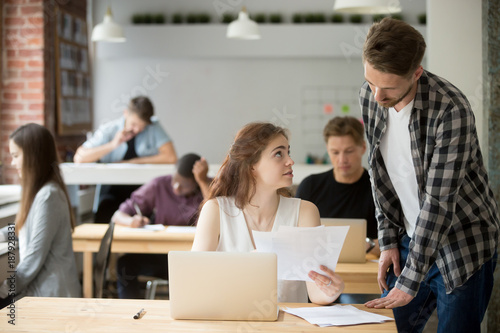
(4, 247)
(181, 229)
(337, 315)
(147, 228)
(301, 250)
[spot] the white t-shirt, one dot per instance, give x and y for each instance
(395, 147)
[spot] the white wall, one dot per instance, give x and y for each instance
(203, 101)
(455, 47)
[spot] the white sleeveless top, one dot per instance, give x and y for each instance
(234, 237)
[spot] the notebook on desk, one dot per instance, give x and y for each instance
(223, 285)
(354, 249)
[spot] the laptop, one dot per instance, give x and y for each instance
(354, 248)
(223, 285)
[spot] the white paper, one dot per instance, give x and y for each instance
(301, 250)
(181, 229)
(337, 315)
(146, 228)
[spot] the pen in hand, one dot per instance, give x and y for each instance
(139, 314)
(139, 213)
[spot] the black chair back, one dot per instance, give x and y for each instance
(101, 261)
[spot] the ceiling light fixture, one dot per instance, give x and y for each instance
(243, 27)
(367, 6)
(108, 30)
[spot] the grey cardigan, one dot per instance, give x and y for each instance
(47, 262)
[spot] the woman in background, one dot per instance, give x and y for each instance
(249, 193)
(45, 220)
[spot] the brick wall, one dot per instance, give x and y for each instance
(28, 70)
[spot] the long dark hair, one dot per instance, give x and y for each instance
(235, 177)
(40, 165)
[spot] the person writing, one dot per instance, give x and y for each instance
(437, 217)
(249, 193)
(168, 200)
(136, 137)
(45, 220)
(345, 191)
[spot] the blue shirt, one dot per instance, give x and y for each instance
(147, 142)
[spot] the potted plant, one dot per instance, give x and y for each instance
(275, 18)
(337, 18)
(177, 18)
(228, 17)
(204, 18)
(138, 19)
(319, 18)
(397, 17)
(260, 18)
(378, 17)
(356, 18)
(298, 18)
(422, 18)
(159, 18)
(191, 18)
(148, 18)
(309, 18)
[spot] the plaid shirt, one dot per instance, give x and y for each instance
(458, 225)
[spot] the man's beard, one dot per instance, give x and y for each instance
(392, 103)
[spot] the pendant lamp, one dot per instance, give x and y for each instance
(108, 30)
(367, 6)
(243, 27)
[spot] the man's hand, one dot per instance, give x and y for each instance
(121, 137)
(200, 171)
(387, 258)
(139, 221)
(394, 299)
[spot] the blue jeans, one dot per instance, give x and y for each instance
(460, 311)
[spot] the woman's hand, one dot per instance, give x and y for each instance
(330, 283)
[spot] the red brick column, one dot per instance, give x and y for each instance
(27, 71)
(22, 73)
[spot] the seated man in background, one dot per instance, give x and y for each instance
(344, 191)
(136, 137)
(168, 200)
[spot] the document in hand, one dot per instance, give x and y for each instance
(336, 315)
(301, 250)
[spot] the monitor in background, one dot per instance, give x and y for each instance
(354, 249)
(223, 285)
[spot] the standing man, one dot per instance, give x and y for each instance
(345, 190)
(437, 217)
(134, 138)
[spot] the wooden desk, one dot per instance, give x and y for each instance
(43, 315)
(121, 173)
(358, 278)
(9, 203)
(87, 239)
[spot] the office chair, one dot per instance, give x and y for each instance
(151, 287)
(101, 261)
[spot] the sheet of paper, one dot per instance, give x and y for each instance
(337, 315)
(301, 250)
(180, 229)
(146, 228)
(4, 246)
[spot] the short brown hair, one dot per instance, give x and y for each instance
(394, 47)
(342, 126)
(142, 107)
(235, 177)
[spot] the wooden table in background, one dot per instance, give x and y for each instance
(54, 315)
(358, 278)
(87, 239)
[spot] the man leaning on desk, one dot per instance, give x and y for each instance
(136, 137)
